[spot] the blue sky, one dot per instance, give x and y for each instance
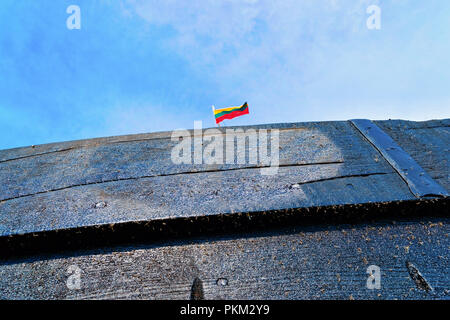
(143, 66)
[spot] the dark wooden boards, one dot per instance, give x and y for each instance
(320, 165)
(427, 142)
(418, 180)
(86, 163)
(321, 262)
(123, 198)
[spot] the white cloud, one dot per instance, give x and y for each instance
(311, 59)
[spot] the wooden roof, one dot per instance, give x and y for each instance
(140, 226)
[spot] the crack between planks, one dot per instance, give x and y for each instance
(25, 246)
(168, 175)
(168, 137)
(358, 130)
(37, 154)
(432, 127)
(343, 177)
(73, 148)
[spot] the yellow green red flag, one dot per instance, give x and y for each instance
(230, 113)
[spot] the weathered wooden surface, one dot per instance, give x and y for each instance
(324, 262)
(58, 195)
(330, 162)
(418, 180)
(427, 142)
(86, 163)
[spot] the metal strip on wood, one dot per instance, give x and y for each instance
(418, 181)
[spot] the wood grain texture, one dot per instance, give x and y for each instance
(427, 143)
(95, 187)
(327, 163)
(322, 262)
(132, 158)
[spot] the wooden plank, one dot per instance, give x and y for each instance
(320, 262)
(203, 194)
(67, 190)
(72, 196)
(426, 142)
(104, 160)
(417, 179)
(323, 165)
(42, 149)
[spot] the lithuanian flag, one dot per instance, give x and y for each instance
(230, 113)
